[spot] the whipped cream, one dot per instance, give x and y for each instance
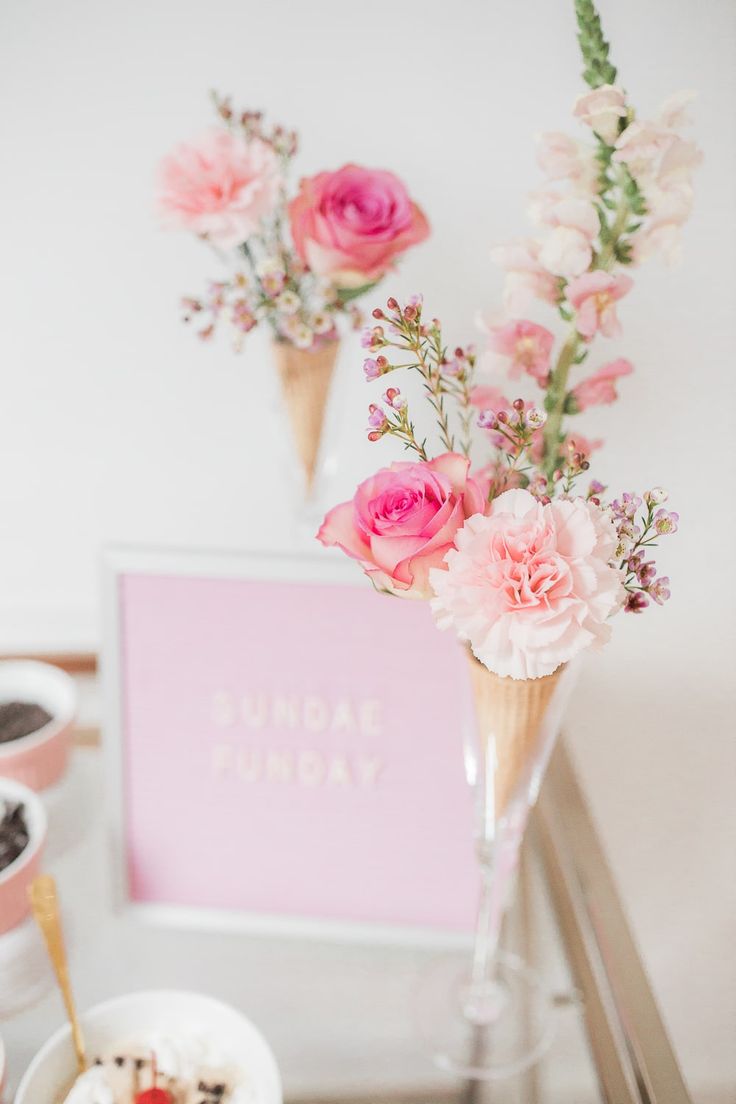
(92, 1087)
(183, 1065)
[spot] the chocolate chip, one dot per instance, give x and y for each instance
(119, 1060)
(140, 1063)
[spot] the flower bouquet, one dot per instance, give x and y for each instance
(521, 553)
(296, 264)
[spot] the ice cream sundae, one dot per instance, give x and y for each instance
(162, 1070)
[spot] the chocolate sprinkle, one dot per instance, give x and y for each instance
(14, 834)
(19, 718)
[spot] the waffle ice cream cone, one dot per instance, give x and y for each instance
(305, 377)
(511, 712)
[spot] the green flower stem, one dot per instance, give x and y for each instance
(607, 256)
(555, 402)
(248, 254)
(433, 385)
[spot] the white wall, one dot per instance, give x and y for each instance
(118, 425)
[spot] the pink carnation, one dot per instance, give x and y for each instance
(219, 187)
(529, 586)
(593, 297)
(600, 388)
(526, 345)
(352, 224)
(403, 520)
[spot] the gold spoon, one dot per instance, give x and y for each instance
(45, 907)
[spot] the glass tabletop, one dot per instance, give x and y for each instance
(338, 1015)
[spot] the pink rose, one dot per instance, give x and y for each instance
(351, 224)
(600, 388)
(219, 187)
(403, 520)
(602, 109)
(529, 586)
(526, 345)
(593, 297)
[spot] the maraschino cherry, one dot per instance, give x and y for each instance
(153, 1095)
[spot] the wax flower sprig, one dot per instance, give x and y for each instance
(640, 575)
(443, 376)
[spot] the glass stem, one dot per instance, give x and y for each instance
(490, 912)
(490, 852)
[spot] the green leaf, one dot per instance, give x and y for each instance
(345, 295)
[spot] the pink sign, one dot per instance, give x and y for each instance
(293, 749)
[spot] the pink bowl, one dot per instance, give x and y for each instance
(16, 878)
(39, 759)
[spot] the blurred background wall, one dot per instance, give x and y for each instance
(118, 425)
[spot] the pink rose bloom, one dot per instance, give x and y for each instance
(600, 388)
(593, 297)
(403, 520)
(530, 586)
(526, 345)
(219, 187)
(526, 276)
(602, 109)
(352, 224)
